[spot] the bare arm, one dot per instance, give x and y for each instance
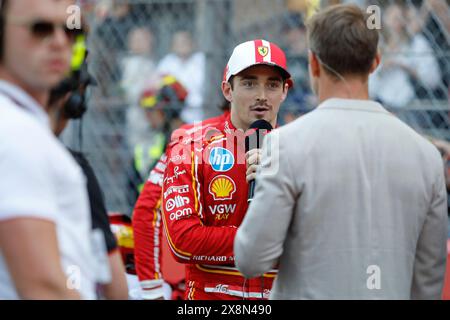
(31, 253)
(117, 289)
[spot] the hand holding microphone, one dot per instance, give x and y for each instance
(253, 144)
(253, 159)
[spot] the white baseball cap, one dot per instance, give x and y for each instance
(256, 52)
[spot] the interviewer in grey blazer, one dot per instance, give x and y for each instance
(349, 201)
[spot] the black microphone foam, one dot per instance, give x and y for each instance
(254, 141)
(261, 124)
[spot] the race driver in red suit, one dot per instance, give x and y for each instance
(147, 218)
(205, 182)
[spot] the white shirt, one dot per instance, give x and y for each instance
(393, 85)
(40, 179)
(191, 74)
(139, 72)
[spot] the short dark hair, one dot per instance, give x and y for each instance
(340, 38)
(224, 105)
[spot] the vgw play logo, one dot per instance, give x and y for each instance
(221, 159)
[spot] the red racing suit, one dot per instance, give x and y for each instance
(204, 202)
(147, 220)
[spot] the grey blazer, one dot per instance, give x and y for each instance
(352, 204)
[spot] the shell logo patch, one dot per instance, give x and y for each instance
(263, 50)
(222, 188)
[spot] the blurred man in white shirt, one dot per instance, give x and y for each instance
(45, 240)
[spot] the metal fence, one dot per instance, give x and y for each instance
(130, 40)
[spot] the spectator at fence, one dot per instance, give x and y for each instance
(101, 9)
(300, 98)
(114, 29)
(110, 44)
(408, 60)
(138, 65)
(426, 23)
(188, 66)
(138, 72)
(436, 18)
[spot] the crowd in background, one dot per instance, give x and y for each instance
(153, 92)
(134, 44)
(413, 78)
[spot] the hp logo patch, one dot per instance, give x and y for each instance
(221, 159)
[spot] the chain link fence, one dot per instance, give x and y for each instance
(130, 42)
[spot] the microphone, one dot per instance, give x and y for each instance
(254, 141)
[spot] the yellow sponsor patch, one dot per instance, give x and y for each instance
(222, 188)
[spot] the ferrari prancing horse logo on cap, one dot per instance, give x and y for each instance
(263, 50)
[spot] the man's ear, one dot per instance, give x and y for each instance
(289, 83)
(314, 64)
(286, 90)
(226, 90)
(376, 62)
